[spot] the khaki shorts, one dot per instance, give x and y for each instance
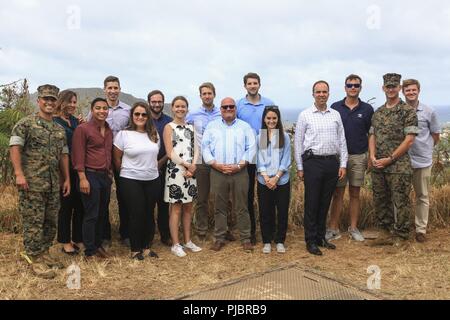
(356, 170)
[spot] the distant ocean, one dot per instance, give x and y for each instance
(290, 115)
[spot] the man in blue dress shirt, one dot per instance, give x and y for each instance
(228, 145)
(250, 109)
(200, 118)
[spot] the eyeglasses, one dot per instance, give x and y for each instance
(353, 85)
(228, 107)
(138, 114)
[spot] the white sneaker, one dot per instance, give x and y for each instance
(267, 248)
(177, 250)
(281, 248)
(356, 234)
(332, 235)
(191, 246)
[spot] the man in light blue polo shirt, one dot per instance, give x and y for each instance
(421, 154)
(200, 118)
(250, 109)
(228, 145)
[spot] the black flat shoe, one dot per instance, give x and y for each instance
(152, 254)
(138, 256)
(327, 245)
(77, 248)
(313, 249)
(69, 253)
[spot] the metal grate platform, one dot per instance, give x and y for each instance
(292, 283)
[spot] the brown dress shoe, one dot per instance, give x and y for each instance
(217, 246)
(101, 253)
(420, 237)
(247, 246)
(229, 236)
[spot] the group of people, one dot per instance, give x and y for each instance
(65, 166)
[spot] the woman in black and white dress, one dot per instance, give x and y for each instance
(181, 186)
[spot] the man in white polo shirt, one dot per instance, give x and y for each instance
(421, 154)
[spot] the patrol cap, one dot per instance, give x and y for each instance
(392, 79)
(48, 90)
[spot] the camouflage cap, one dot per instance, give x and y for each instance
(48, 90)
(392, 79)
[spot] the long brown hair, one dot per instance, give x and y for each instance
(264, 140)
(64, 98)
(149, 126)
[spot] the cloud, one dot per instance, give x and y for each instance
(176, 45)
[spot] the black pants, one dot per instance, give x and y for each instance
(163, 208)
(273, 212)
(123, 215)
(321, 177)
(95, 207)
(251, 169)
(140, 198)
(70, 216)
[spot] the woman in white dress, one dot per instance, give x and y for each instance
(181, 186)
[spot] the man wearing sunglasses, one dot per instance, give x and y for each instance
(393, 131)
(356, 116)
(228, 145)
(250, 109)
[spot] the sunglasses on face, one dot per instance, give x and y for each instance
(138, 114)
(353, 85)
(228, 107)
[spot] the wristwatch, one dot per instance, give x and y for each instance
(239, 166)
(277, 176)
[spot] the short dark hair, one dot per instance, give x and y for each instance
(319, 82)
(251, 75)
(98, 100)
(208, 85)
(153, 93)
(353, 77)
(110, 79)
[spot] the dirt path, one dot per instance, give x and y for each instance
(420, 271)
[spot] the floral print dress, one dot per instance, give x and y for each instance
(178, 188)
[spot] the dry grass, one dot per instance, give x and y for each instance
(419, 271)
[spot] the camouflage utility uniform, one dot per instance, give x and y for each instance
(392, 185)
(43, 143)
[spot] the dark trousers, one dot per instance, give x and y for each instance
(202, 175)
(70, 216)
(123, 215)
(273, 212)
(163, 207)
(95, 207)
(140, 198)
(321, 177)
(251, 169)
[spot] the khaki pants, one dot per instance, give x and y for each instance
(421, 183)
(221, 187)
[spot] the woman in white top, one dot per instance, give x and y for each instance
(135, 153)
(181, 186)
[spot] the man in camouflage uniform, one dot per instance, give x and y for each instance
(394, 128)
(39, 155)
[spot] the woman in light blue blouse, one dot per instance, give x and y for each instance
(274, 190)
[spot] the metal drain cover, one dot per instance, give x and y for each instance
(287, 284)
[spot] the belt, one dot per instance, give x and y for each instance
(104, 171)
(332, 157)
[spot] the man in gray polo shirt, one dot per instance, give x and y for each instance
(421, 154)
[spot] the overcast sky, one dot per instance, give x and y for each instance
(175, 45)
